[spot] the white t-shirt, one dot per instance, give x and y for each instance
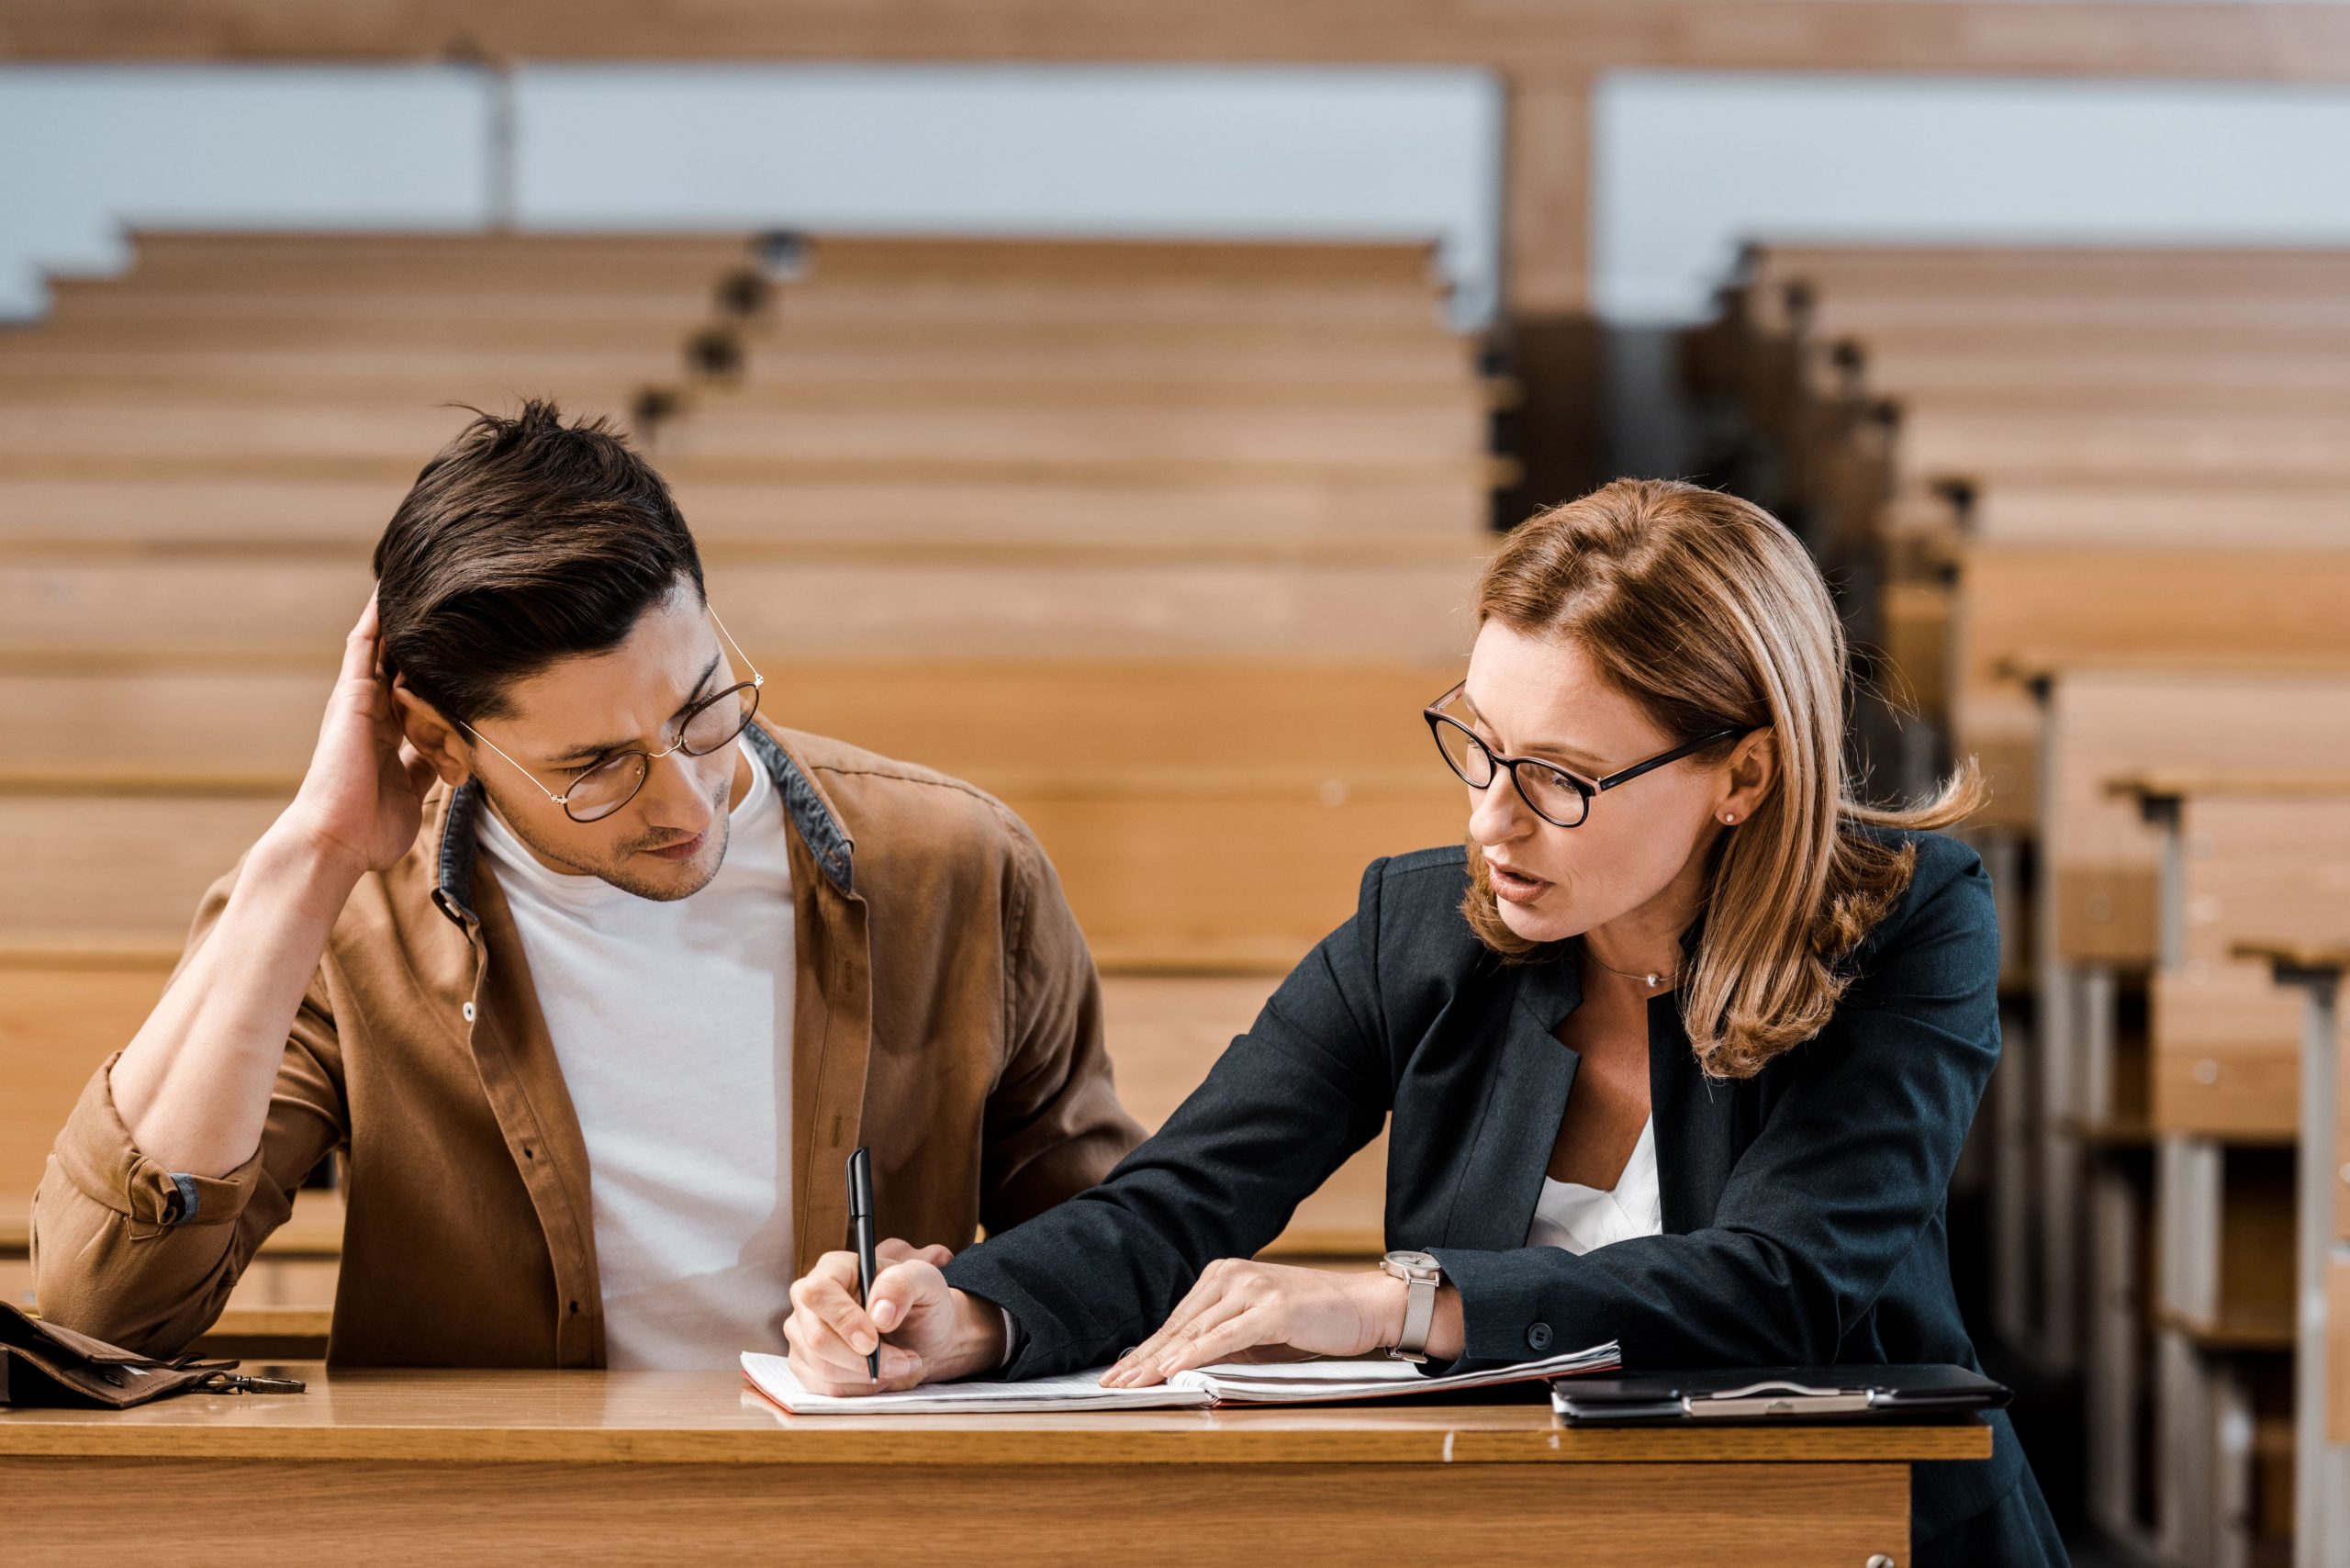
(672, 1024)
(1582, 1219)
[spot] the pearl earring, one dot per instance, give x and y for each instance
(1730, 817)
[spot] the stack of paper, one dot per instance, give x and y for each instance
(1231, 1382)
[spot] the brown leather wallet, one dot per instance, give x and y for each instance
(45, 1363)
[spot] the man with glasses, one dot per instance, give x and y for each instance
(590, 980)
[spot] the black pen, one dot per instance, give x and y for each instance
(860, 1227)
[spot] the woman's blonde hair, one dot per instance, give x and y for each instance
(1706, 611)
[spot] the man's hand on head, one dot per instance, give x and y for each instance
(362, 799)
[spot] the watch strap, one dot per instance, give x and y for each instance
(1419, 1316)
(1421, 1273)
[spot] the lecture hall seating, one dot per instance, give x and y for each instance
(1164, 544)
(2094, 499)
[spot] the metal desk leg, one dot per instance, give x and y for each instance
(2189, 1173)
(2187, 1413)
(2059, 1196)
(2114, 1374)
(2320, 1468)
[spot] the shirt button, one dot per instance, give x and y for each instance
(468, 1011)
(1538, 1335)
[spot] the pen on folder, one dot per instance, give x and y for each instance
(860, 1226)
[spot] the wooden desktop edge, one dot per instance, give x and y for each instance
(531, 1418)
(2167, 787)
(2034, 670)
(2302, 957)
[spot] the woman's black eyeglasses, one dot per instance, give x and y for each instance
(1558, 795)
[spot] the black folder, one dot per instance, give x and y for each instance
(1785, 1395)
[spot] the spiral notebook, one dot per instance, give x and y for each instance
(1284, 1383)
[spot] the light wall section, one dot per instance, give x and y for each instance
(1310, 153)
(84, 154)
(1400, 153)
(1688, 164)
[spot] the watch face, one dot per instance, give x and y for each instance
(1417, 1263)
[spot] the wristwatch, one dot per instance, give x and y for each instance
(1421, 1274)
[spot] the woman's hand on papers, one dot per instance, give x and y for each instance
(1241, 1311)
(928, 1331)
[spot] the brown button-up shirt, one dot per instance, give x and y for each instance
(946, 1015)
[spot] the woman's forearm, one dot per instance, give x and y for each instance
(1447, 1336)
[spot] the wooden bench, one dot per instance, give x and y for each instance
(2094, 920)
(984, 352)
(180, 720)
(445, 258)
(1922, 539)
(838, 604)
(2022, 609)
(2241, 853)
(46, 435)
(2138, 455)
(1149, 866)
(2236, 850)
(2076, 1170)
(2005, 363)
(1906, 270)
(2140, 724)
(1926, 452)
(2082, 943)
(1077, 430)
(1359, 514)
(1797, 312)
(487, 332)
(1399, 266)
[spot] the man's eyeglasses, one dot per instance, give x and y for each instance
(1558, 795)
(612, 782)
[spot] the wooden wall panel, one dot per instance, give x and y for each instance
(2193, 39)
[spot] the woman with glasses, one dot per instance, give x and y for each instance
(1679, 1051)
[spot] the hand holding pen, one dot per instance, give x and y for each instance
(843, 1308)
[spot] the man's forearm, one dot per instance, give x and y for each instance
(193, 1086)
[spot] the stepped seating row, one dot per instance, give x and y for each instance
(2093, 502)
(1164, 544)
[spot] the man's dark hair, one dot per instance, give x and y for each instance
(525, 542)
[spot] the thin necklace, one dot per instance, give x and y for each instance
(1652, 978)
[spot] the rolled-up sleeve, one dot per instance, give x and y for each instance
(143, 1257)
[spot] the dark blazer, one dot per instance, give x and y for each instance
(1803, 1208)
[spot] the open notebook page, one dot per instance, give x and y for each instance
(1292, 1382)
(772, 1376)
(1283, 1382)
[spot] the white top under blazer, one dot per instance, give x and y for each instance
(1583, 1219)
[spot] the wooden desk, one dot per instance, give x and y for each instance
(493, 1466)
